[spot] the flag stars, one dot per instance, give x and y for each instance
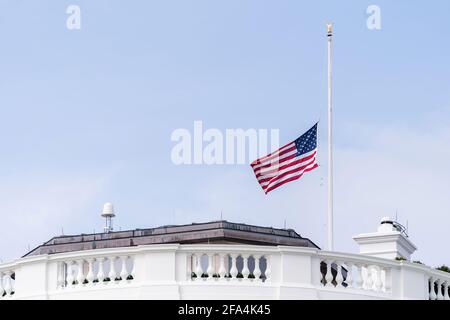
(307, 142)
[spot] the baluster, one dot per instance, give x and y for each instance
(386, 283)
(101, 272)
(233, 270)
(123, 270)
(268, 272)
(7, 287)
(439, 290)
(387, 280)
(446, 296)
(329, 275)
(369, 281)
(349, 279)
(61, 272)
(222, 270)
(210, 269)
(339, 278)
(198, 265)
(245, 270)
(257, 271)
(70, 276)
(13, 283)
(2, 290)
(133, 268)
(80, 274)
(112, 269)
(90, 276)
(432, 292)
(359, 280)
(378, 282)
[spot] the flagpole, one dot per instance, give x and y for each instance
(330, 144)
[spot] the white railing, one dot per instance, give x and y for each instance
(95, 271)
(221, 271)
(7, 283)
(439, 286)
(226, 266)
(355, 272)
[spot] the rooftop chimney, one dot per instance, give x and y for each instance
(389, 242)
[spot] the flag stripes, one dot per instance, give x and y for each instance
(288, 163)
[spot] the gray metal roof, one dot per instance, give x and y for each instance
(210, 232)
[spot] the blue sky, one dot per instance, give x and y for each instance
(87, 115)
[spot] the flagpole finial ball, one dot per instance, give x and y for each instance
(329, 28)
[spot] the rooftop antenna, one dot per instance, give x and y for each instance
(108, 214)
(284, 223)
(407, 229)
(62, 231)
(221, 215)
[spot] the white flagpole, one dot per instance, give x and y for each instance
(330, 144)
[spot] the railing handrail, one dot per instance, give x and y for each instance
(440, 274)
(4, 267)
(358, 258)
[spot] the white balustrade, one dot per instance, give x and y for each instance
(439, 288)
(332, 275)
(7, 283)
(227, 266)
(341, 274)
(76, 273)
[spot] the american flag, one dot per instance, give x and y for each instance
(287, 163)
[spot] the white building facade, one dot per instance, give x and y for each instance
(224, 271)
